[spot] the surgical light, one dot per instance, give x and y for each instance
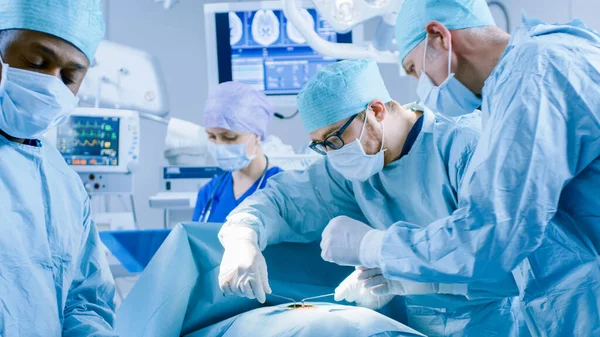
(343, 16)
(344, 10)
(377, 3)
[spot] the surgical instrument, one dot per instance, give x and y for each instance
(315, 297)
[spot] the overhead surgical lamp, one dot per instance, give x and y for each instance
(343, 15)
(122, 77)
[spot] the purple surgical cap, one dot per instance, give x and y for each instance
(237, 107)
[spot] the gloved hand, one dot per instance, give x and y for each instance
(340, 241)
(243, 270)
(375, 283)
(352, 290)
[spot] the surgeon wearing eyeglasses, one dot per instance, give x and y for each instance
(383, 163)
(236, 118)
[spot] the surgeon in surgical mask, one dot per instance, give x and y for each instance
(236, 118)
(54, 277)
(382, 164)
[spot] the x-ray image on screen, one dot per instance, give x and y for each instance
(265, 27)
(264, 50)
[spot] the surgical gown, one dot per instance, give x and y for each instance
(530, 202)
(419, 188)
(54, 279)
(220, 189)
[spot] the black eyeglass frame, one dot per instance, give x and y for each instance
(329, 142)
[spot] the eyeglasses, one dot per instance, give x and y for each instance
(333, 141)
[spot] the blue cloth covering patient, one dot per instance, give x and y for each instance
(318, 319)
(178, 295)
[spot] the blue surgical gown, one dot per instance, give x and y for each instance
(530, 201)
(419, 187)
(54, 278)
(224, 200)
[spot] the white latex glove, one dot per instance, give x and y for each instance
(352, 290)
(374, 281)
(340, 241)
(243, 270)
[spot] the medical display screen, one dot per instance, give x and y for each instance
(87, 140)
(262, 49)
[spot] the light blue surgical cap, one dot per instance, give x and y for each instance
(338, 91)
(78, 22)
(454, 14)
(238, 107)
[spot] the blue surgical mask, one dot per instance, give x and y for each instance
(231, 157)
(32, 103)
(353, 163)
(451, 98)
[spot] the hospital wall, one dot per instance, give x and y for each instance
(553, 11)
(176, 38)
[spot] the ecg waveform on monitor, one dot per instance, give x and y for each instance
(91, 125)
(86, 142)
(89, 141)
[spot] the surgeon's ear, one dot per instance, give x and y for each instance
(437, 30)
(379, 109)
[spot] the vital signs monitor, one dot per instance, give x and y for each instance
(99, 140)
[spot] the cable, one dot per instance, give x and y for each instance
(504, 11)
(280, 116)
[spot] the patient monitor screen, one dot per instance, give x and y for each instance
(262, 49)
(87, 140)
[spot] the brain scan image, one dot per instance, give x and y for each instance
(293, 33)
(265, 27)
(235, 28)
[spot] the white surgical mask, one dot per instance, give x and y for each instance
(353, 163)
(231, 157)
(451, 98)
(32, 103)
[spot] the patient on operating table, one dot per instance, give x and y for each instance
(308, 320)
(186, 300)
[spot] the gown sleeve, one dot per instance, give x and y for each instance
(295, 206)
(89, 309)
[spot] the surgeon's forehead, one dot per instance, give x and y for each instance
(48, 45)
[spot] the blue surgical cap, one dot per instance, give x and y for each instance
(338, 91)
(78, 22)
(454, 14)
(238, 107)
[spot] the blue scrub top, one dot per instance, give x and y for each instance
(224, 201)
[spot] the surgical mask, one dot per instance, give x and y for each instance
(451, 98)
(231, 157)
(353, 163)
(32, 103)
